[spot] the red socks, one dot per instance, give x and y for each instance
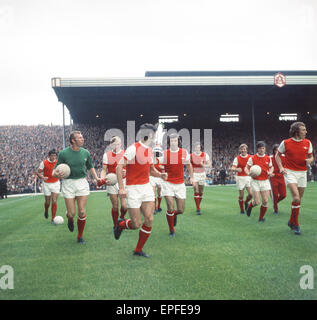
(170, 219)
(159, 199)
(115, 214)
(81, 221)
(294, 215)
(144, 234)
(46, 206)
(262, 212)
(123, 212)
(200, 198)
(126, 224)
(54, 209)
(197, 200)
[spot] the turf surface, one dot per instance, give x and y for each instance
(218, 255)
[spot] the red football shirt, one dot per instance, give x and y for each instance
(296, 151)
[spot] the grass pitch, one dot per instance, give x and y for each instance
(218, 255)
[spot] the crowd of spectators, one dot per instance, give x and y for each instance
(24, 147)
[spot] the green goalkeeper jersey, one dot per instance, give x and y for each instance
(78, 161)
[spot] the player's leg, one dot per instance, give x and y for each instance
(255, 201)
(196, 195)
(115, 208)
(147, 209)
(154, 190)
(275, 194)
(70, 212)
(200, 192)
(249, 196)
(123, 208)
(295, 205)
(46, 205)
(240, 200)
(81, 219)
(159, 197)
(265, 199)
(281, 190)
(54, 204)
(170, 213)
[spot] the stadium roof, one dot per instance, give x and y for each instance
(195, 93)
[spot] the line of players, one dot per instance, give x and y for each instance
(138, 177)
(287, 166)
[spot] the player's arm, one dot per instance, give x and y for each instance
(279, 162)
(207, 162)
(190, 170)
(103, 171)
(310, 157)
(119, 170)
(156, 173)
(234, 167)
(56, 173)
(40, 171)
(90, 167)
(271, 170)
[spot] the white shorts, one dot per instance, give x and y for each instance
(298, 177)
(200, 177)
(156, 181)
(136, 194)
(115, 188)
(243, 182)
(72, 188)
(174, 190)
(49, 188)
(260, 185)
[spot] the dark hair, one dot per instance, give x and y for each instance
(275, 146)
(260, 144)
(72, 136)
(294, 129)
(53, 151)
(173, 136)
(146, 129)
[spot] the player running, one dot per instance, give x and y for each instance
(242, 179)
(109, 165)
(51, 186)
(199, 161)
(298, 153)
(277, 181)
(75, 188)
(260, 184)
(138, 160)
(155, 181)
(174, 159)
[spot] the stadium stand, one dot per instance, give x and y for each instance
(24, 147)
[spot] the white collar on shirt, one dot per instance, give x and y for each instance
(243, 156)
(143, 145)
(175, 150)
(297, 140)
(260, 155)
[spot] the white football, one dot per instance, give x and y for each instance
(58, 220)
(63, 167)
(112, 178)
(255, 170)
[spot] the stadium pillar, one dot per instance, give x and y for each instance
(253, 127)
(64, 142)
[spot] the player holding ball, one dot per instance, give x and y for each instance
(75, 187)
